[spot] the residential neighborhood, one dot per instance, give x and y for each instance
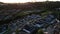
(31, 18)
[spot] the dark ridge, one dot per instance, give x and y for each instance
(30, 6)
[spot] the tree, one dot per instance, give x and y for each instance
(40, 31)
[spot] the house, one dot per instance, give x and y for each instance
(29, 29)
(49, 19)
(39, 23)
(57, 28)
(3, 28)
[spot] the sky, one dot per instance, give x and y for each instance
(23, 1)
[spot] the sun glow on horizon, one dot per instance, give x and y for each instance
(23, 1)
(20, 1)
(15, 1)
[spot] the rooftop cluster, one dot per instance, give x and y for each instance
(31, 23)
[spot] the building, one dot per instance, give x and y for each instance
(29, 29)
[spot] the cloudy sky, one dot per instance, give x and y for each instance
(23, 1)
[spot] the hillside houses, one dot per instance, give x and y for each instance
(31, 23)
